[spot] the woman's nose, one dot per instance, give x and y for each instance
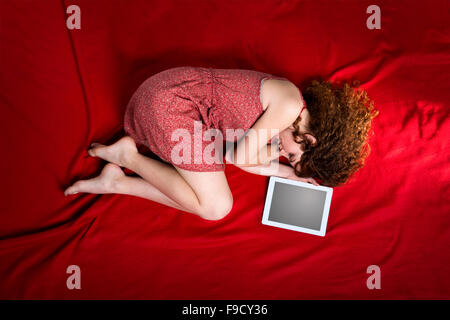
(274, 139)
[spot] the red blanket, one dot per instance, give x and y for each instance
(62, 89)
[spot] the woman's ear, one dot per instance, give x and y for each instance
(312, 140)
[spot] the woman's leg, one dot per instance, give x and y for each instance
(138, 187)
(113, 180)
(204, 193)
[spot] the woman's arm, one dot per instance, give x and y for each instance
(252, 149)
(266, 154)
(275, 168)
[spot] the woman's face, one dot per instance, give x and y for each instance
(288, 147)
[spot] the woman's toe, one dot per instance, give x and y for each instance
(71, 190)
(94, 151)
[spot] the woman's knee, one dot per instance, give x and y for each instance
(213, 195)
(218, 209)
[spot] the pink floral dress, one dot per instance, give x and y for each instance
(180, 104)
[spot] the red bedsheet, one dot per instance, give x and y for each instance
(62, 89)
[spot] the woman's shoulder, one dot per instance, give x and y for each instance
(279, 89)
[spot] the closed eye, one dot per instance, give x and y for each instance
(291, 157)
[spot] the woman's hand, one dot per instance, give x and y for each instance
(293, 176)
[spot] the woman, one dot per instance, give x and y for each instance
(322, 134)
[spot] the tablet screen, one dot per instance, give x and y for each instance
(298, 206)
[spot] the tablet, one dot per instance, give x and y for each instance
(297, 206)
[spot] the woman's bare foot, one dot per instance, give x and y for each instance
(106, 182)
(119, 153)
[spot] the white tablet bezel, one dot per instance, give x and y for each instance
(326, 207)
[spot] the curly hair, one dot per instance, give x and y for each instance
(340, 120)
